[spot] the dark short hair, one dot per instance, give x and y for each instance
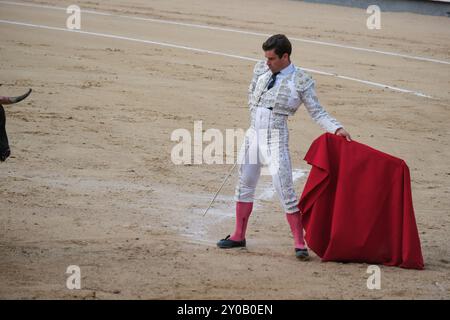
(280, 43)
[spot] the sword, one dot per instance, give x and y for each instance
(217, 192)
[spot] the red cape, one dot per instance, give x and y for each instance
(357, 205)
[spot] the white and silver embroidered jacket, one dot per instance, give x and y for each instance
(286, 97)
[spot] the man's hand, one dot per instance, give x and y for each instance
(342, 132)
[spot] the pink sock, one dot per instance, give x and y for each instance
(295, 222)
(243, 211)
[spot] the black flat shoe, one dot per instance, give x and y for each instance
(302, 254)
(228, 243)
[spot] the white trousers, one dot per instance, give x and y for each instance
(267, 144)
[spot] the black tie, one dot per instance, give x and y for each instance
(272, 80)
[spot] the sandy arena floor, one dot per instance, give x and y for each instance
(91, 182)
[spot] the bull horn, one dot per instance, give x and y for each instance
(11, 100)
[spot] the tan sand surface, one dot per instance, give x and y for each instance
(91, 183)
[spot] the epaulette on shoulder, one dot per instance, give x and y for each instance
(302, 80)
(260, 68)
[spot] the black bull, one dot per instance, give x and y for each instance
(4, 145)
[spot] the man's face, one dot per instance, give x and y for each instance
(274, 62)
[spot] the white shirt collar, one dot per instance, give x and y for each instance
(290, 68)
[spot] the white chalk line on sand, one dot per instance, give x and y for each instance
(170, 45)
(266, 192)
(254, 33)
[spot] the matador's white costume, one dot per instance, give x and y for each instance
(272, 99)
(269, 110)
